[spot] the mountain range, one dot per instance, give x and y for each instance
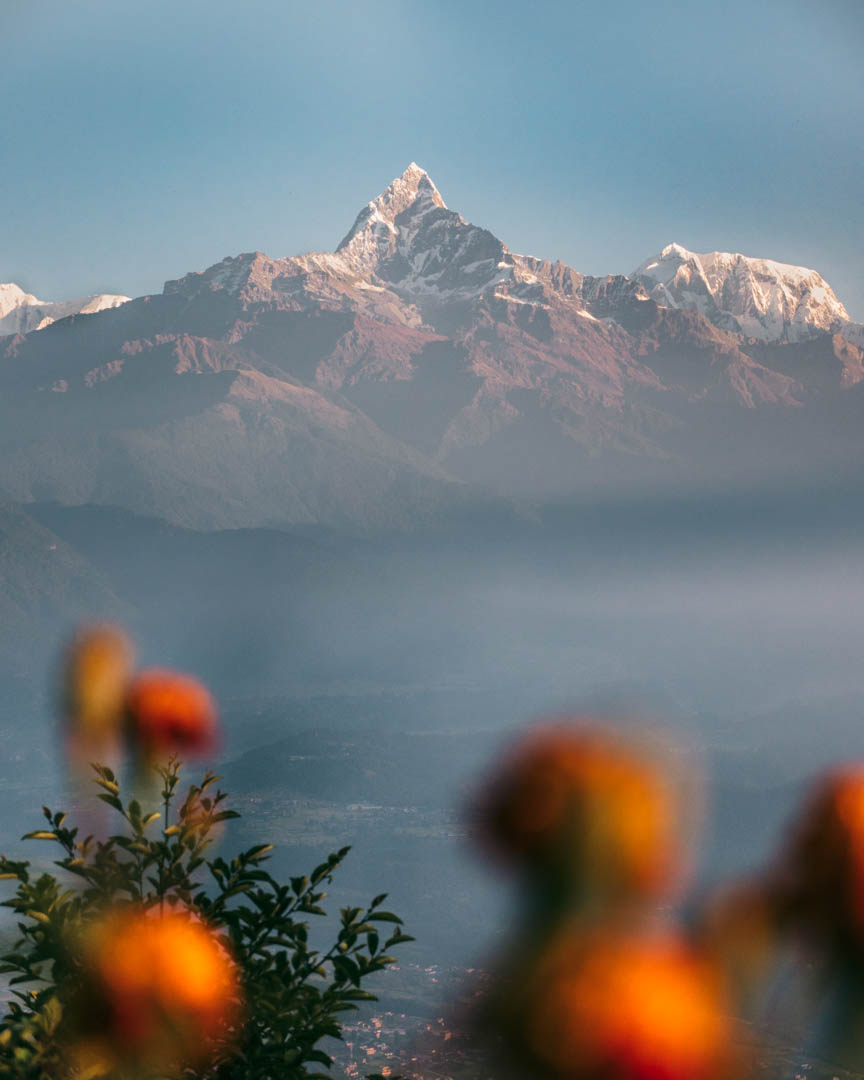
(21, 312)
(418, 364)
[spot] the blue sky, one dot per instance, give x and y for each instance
(142, 140)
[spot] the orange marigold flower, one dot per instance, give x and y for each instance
(626, 1007)
(169, 712)
(160, 987)
(579, 800)
(96, 672)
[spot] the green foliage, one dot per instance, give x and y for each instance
(294, 993)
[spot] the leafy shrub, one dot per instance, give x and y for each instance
(291, 993)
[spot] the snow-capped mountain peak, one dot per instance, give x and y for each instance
(408, 252)
(372, 237)
(12, 296)
(406, 243)
(21, 312)
(675, 250)
(412, 187)
(759, 298)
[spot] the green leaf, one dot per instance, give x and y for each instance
(253, 852)
(398, 939)
(112, 800)
(319, 872)
(242, 887)
(311, 909)
(384, 916)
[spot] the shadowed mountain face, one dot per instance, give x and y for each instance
(366, 386)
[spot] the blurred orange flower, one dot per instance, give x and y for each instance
(96, 672)
(162, 987)
(819, 884)
(580, 801)
(168, 712)
(160, 711)
(626, 1007)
